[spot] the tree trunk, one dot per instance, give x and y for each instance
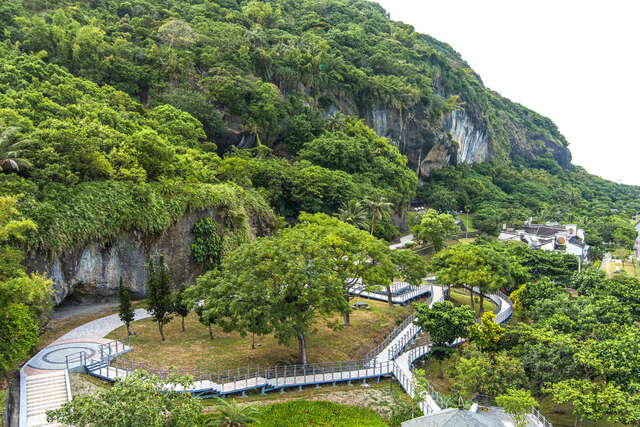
(128, 330)
(302, 345)
(481, 303)
(210, 331)
(389, 296)
(183, 329)
(373, 222)
(161, 329)
(345, 322)
(473, 304)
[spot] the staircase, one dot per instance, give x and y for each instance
(46, 392)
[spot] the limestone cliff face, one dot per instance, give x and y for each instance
(470, 136)
(94, 270)
(426, 148)
(463, 136)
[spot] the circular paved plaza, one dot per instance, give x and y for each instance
(56, 356)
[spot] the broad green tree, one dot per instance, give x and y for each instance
(357, 258)
(290, 278)
(139, 400)
(477, 372)
(445, 323)
(487, 334)
(518, 403)
(594, 401)
(466, 265)
(18, 336)
(434, 228)
(25, 300)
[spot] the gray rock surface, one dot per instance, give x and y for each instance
(93, 271)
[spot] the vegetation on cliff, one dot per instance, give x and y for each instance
(270, 70)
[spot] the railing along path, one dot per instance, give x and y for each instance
(394, 356)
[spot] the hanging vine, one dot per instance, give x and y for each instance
(207, 247)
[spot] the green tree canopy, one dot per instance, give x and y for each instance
(434, 228)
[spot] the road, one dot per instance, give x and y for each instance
(638, 241)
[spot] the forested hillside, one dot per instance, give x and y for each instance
(270, 72)
(129, 114)
(249, 143)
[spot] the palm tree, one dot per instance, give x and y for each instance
(231, 414)
(354, 213)
(379, 208)
(11, 149)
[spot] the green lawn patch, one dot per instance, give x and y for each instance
(307, 414)
(461, 297)
(468, 222)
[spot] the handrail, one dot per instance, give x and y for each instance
(268, 378)
(539, 418)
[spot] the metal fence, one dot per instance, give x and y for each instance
(409, 294)
(397, 331)
(248, 378)
(540, 419)
(407, 337)
(403, 341)
(239, 380)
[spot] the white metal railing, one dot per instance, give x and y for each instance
(539, 418)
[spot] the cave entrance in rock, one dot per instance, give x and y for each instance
(79, 303)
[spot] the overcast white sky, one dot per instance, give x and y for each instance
(575, 61)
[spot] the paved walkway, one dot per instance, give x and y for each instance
(638, 241)
(403, 241)
(101, 327)
(391, 360)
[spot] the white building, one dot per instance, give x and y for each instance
(567, 238)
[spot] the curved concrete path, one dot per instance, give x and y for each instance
(36, 375)
(90, 336)
(101, 327)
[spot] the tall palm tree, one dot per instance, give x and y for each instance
(354, 213)
(231, 414)
(379, 209)
(11, 149)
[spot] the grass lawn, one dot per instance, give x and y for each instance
(468, 222)
(193, 349)
(613, 265)
(461, 297)
(303, 413)
(380, 397)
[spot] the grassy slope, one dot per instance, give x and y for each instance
(302, 413)
(193, 348)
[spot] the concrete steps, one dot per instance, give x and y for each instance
(45, 392)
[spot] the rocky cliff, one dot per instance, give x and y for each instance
(93, 270)
(463, 136)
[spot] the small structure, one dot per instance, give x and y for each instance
(454, 418)
(552, 236)
(359, 305)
